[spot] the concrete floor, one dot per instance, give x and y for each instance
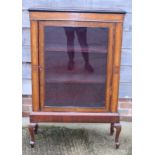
(77, 139)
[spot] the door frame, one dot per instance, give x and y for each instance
(108, 92)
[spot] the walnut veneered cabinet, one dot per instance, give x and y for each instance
(75, 67)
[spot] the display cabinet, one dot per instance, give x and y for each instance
(75, 67)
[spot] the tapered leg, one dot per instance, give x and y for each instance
(117, 126)
(32, 129)
(112, 129)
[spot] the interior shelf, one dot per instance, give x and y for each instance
(74, 78)
(63, 48)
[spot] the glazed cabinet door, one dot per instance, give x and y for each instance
(75, 65)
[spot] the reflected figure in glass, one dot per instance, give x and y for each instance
(81, 33)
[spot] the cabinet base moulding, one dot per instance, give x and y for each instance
(74, 117)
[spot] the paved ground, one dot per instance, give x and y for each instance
(77, 139)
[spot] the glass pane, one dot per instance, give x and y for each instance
(75, 66)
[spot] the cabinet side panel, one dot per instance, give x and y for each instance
(109, 65)
(116, 67)
(35, 71)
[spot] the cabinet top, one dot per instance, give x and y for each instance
(80, 10)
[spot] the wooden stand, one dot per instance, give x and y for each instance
(112, 118)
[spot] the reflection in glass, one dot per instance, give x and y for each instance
(82, 38)
(75, 66)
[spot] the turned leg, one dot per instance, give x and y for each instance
(112, 129)
(36, 128)
(117, 126)
(32, 129)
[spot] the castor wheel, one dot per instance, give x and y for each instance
(117, 145)
(32, 144)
